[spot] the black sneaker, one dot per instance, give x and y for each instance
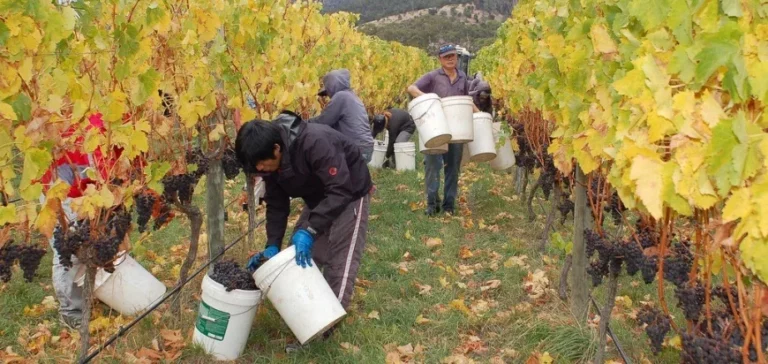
(71, 322)
(432, 211)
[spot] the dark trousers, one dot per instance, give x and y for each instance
(338, 251)
(451, 161)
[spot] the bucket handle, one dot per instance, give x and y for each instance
(429, 108)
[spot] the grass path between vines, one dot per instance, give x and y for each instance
(461, 299)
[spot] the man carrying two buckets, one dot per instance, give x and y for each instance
(445, 81)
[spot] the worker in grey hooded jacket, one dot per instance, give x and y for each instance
(345, 112)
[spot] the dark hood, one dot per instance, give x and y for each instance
(480, 87)
(336, 81)
(290, 125)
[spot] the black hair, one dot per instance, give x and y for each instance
(256, 142)
(378, 125)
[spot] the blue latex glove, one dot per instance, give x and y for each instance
(256, 260)
(303, 241)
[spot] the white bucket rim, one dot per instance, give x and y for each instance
(423, 98)
(272, 266)
(483, 115)
(457, 99)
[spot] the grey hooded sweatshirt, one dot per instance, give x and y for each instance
(345, 113)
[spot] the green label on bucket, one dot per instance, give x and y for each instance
(212, 322)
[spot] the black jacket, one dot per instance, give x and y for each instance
(400, 121)
(321, 166)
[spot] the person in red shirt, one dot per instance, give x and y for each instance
(72, 168)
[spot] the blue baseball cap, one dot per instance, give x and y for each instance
(446, 50)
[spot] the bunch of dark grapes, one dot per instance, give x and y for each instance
(230, 275)
(180, 186)
(615, 208)
(230, 164)
(633, 256)
(592, 240)
(648, 236)
(678, 264)
(721, 293)
(657, 326)
(27, 256)
(609, 257)
(67, 241)
(649, 268)
(597, 269)
(704, 350)
(690, 298)
(8, 255)
(29, 260)
(105, 249)
(145, 202)
(119, 222)
(525, 157)
(548, 172)
(565, 207)
(197, 157)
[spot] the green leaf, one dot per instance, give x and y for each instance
(22, 105)
(720, 154)
(651, 13)
(670, 196)
(682, 65)
(7, 214)
(732, 7)
(155, 173)
(127, 41)
(712, 57)
(4, 33)
(36, 162)
(148, 86)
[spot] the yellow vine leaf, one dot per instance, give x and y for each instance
(647, 174)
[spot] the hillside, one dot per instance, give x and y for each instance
(429, 23)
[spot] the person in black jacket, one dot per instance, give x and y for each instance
(325, 169)
(400, 126)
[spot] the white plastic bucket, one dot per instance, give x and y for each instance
(458, 113)
(505, 156)
(224, 319)
(129, 290)
(427, 113)
(483, 147)
(405, 156)
(442, 149)
(301, 295)
(379, 154)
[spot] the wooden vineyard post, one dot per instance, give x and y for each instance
(578, 274)
(214, 198)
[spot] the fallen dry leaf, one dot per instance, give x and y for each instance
(408, 235)
(536, 284)
(350, 348)
(492, 284)
(423, 288)
(434, 242)
(49, 303)
(457, 359)
(479, 307)
(421, 320)
(403, 267)
(470, 344)
(401, 188)
(374, 315)
(408, 257)
(444, 282)
(459, 305)
(465, 252)
(146, 353)
(518, 261)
